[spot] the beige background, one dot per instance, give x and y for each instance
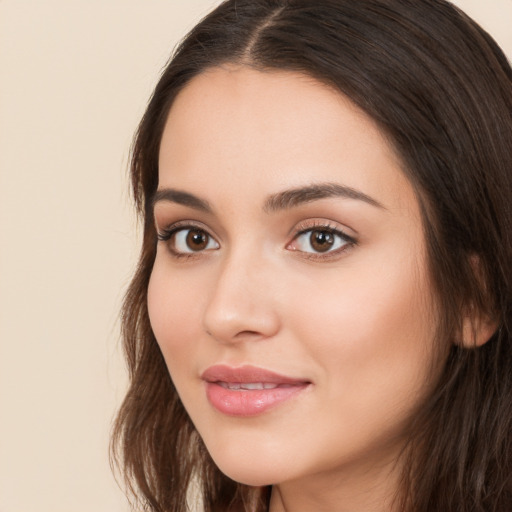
(74, 79)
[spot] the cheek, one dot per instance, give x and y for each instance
(173, 313)
(372, 333)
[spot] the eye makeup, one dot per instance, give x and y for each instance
(186, 239)
(320, 240)
(313, 240)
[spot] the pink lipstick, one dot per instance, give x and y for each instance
(248, 390)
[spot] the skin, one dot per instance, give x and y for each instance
(357, 321)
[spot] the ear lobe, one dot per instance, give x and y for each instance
(477, 330)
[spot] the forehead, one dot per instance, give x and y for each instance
(260, 132)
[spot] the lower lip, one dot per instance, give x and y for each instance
(249, 402)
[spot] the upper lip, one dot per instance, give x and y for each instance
(247, 374)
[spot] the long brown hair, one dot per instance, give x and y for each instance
(441, 90)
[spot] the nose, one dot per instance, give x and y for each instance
(242, 305)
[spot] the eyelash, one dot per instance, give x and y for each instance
(327, 228)
(166, 235)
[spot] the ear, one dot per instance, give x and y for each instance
(478, 326)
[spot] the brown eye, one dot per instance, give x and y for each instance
(189, 240)
(197, 240)
(321, 241)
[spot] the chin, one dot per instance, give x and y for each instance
(249, 476)
(244, 468)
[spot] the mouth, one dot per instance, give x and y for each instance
(248, 390)
(249, 386)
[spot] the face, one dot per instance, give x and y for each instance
(290, 294)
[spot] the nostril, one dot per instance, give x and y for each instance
(247, 334)
(241, 336)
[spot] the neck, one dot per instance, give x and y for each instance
(365, 490)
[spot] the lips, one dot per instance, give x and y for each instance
(248, 390)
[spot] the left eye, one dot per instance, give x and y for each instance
(319, 240)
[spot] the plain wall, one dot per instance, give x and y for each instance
(75, 76)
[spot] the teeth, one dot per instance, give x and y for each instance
(247, 385)
(252, 385)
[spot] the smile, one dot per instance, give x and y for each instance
(248, 390)
(249, 386)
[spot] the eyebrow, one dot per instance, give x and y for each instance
(181, 197)
(300, 195)
(284, 200)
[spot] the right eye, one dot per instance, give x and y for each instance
(188, 240)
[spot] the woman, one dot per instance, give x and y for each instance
(320, 319)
